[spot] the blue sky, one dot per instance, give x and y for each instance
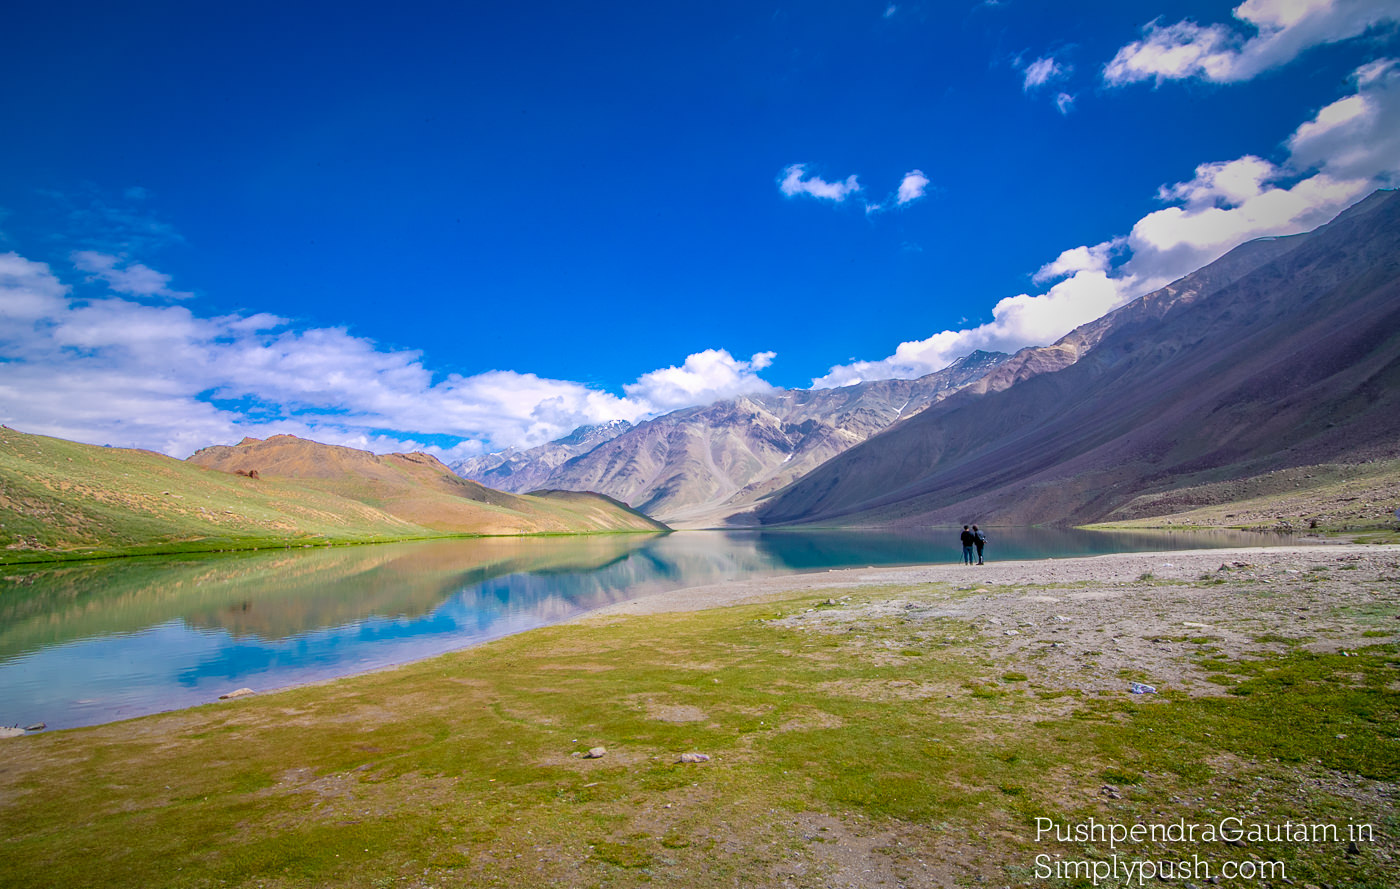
(460, 227)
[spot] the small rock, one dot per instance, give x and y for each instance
(829, 602)
(1352, 848)
(596, 753)
(694, 757)
(1013, 632)
(237, 693)
(36, 727)
(1139, 688)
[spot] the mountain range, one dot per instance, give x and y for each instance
(702, 466)
(1283, 353)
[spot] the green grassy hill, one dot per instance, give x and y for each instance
(60, 499)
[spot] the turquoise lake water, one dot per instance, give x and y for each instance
(92, 642)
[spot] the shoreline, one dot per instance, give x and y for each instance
(1108, 568)
(1156, 687)
(1103, 568)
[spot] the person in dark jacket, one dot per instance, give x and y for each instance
(980, 540)
(969, 541)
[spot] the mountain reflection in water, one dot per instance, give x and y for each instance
(89, 642)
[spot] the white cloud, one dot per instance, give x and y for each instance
(124, 276)
(1171, 242)
(912, 187)
(1017, 321)
(1346, 150)
(1064, 103)
(704, 377)
(1221, 53)
(112, 370)
(795, 181)
(1357, 136)
(1097, 258)
(1042, 71)
(28, 293)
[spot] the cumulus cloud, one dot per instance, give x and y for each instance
(912, 187)
(704, 377)
(795, 182)
(1017, 321)
(124, 276)
(1064, 103)
(1269, 33)
(1097, 258)
(112, 370)
(1357, 136)
(1349, 148)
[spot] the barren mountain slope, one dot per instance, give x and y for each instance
(698, 466)
(1295, 361)
(525, 470)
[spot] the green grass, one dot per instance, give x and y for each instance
(463, 771)
(62, 500)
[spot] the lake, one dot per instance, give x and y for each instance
(84, 643)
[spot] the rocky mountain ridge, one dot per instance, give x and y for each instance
(523, 470)
(1284, 352)
(701, 466)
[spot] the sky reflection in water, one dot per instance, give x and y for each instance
(87, 643)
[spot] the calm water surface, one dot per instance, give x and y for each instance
(92, 642)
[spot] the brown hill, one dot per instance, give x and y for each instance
(1285, 352)
(418, 488)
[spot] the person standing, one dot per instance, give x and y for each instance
(969, 541)
(980, 540)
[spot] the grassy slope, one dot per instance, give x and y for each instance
(62, 499)
(908, 748)
(1352, 499)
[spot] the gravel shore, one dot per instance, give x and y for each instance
(1088, 622)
